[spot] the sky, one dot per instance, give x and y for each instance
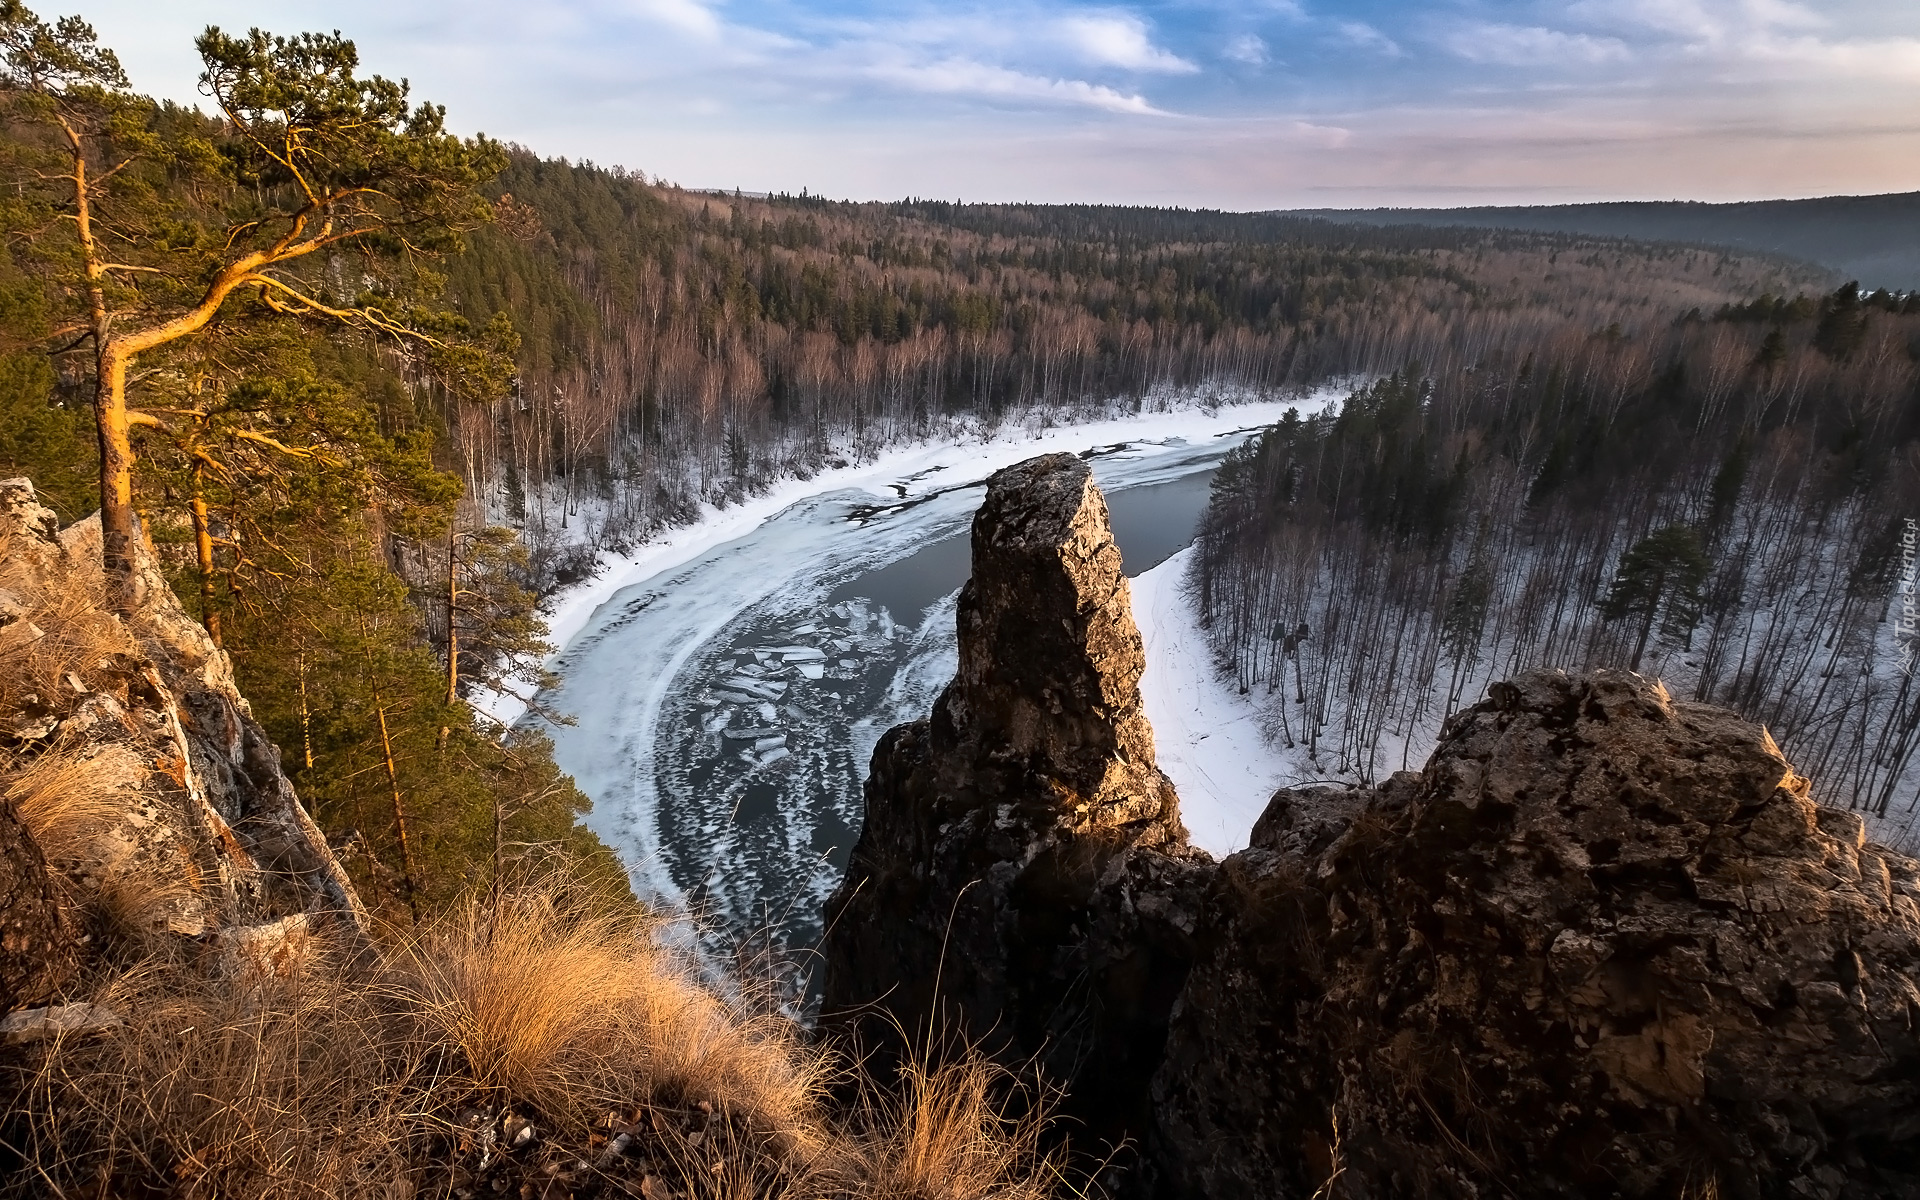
(1207, 103)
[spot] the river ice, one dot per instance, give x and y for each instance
(729, 684)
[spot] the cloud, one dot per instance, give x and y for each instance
(1247, 48)
(1117, 40)
(1516, 45)
(1698, 22)
(1894, 60)
(1752, 41)
(687, 16)
(1366, 37)
(964, 77)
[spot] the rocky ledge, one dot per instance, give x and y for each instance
(188, 826)
(1604, 944)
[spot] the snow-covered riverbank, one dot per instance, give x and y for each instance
(1209, 738)
(906, 473)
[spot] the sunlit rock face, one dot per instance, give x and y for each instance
(1022, 871)
(1045, 710)
(1605, 944)
(193, 800)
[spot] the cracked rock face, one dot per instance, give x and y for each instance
(1605, 944)
(153, 717)
(1023, 871)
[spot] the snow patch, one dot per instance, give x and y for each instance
(1207, 737)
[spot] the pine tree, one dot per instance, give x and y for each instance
(171, 236)
(1660, 577)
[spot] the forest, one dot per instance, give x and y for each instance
(1868, 238)
(682, 348)
(1719, 500)
(367, 454)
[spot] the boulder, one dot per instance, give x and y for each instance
(281, 949)
(1606, 944)
(58, 1021)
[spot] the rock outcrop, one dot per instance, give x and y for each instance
(1604, 944)
(175, 813)
(1020, 847)
(38, 945)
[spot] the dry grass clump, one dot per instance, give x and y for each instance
(69, 803)
(58, 797)
(574, 1013)
(57, 639)
(293, 1087)
(943, 1135)
(526, 1049)
(135, 903)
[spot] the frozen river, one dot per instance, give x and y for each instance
(729, 693)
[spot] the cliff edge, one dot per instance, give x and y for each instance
(135, 766)
(1604, 944)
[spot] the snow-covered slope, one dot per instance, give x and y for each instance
(1209, 738)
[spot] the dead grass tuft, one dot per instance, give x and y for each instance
(409, 1071)
(58, 798)
(942, 1134)
(137, 904)
(291, 1087)
(63, 638)
(578, 1012)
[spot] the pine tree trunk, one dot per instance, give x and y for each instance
(203, 549)
(453, 614)
(453, 629)
(306, 713)
(118, 529)
(410, 879)
(117, 526)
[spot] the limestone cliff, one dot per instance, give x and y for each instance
(1604, 944)
(168, 805)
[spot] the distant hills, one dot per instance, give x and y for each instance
(1874, 239)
